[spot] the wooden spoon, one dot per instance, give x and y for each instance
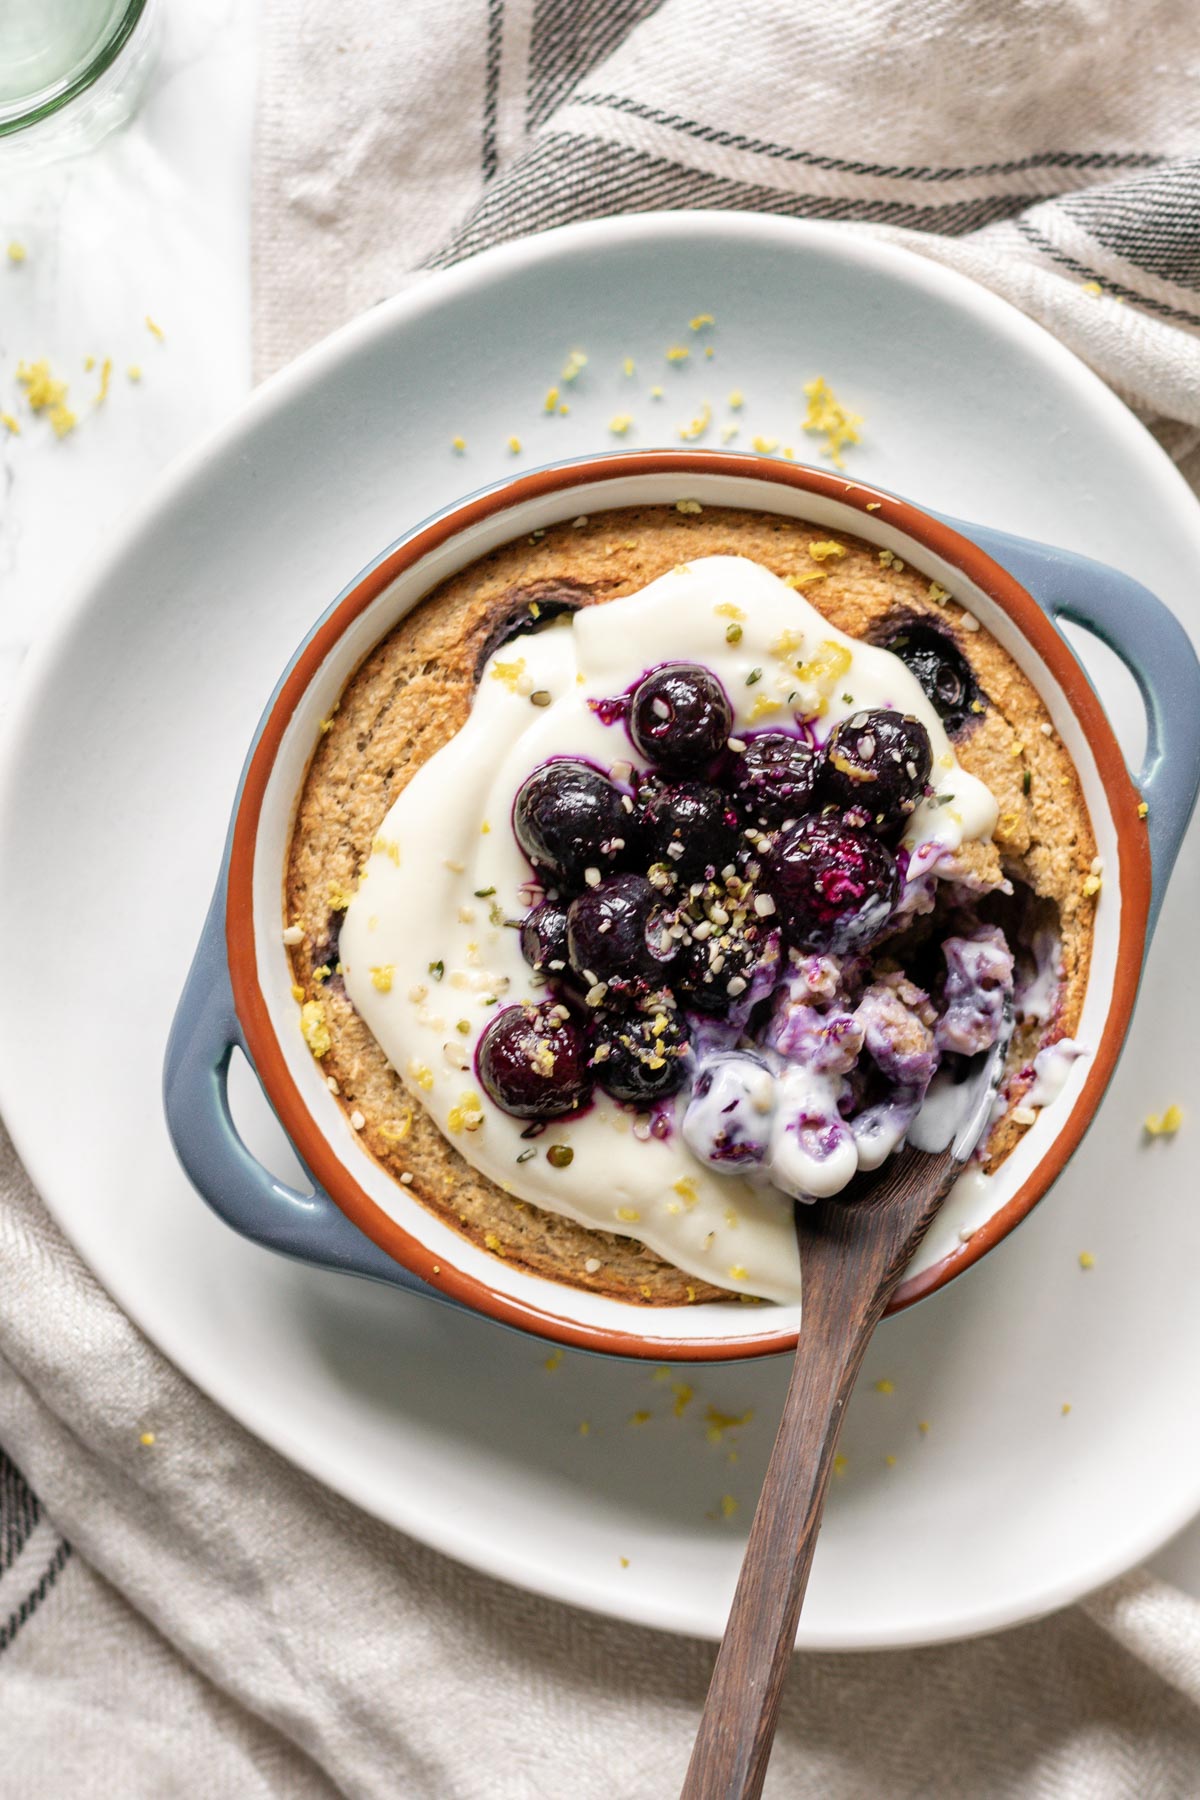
(853, 1252)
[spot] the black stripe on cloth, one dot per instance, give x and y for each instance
(568, 38)
(35, 1596)
(19, 1512)
(563, 178)
(1087, 160)
(491, 86)
(1040, 241)
(1151, 221)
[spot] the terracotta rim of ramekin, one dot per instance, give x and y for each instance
(315, 1148)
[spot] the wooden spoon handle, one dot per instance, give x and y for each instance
(733, 1744)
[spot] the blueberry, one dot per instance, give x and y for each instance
(568, 817)
(706, 967)
(877, 766)
(942, 670)
(834, 886)
(680, 716)
(544, 936)
(776, 777)
(533, 1062)
(617, 933)
(642, 1056)
(690, 827)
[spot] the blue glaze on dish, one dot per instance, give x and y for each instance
(311, 1227)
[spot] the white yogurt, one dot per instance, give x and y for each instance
(1051, 1067)
(446, 872)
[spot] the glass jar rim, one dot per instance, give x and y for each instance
(60, 94)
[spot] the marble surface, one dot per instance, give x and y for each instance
(153, 221)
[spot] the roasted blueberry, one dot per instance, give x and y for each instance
(532, 1060)
(544, 937)
(690, 827)
(877, 766)
(568, 818)
(617, 933)
(834, 886)
(713, 972)
(642, 1056)
(680, 716)
(942, 670)
(776, 777)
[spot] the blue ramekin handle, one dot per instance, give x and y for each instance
(1156, 650)
(235, 1184)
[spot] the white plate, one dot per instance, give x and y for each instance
(114, 794)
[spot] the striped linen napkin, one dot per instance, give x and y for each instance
(208, 1621)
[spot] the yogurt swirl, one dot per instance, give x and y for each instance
(429, 953)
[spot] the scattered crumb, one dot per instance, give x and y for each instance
(624, 1561)
(10, 424)
(552, 1361)
(1086, 1260)
(155, 330)
(1092, 885)
(826, 550)
(514, 444)
(684, 1395)
(765, 445)
(1143, 808)
(923, 1427)
(728, 1506)
(737, 400)
(585, 1429)
(890, 1461)
(718, 1423)
(134, 371)
(458, 444)
(45, 393)
(688, 506)
(640, 1417)
(1164, 1124)
(701, 320)
(550, 404)
(619, 423)
(1066, 1407)
(574, 365)
(884, 1386)
(678, 353)
(629, 365)
(17, 252)
(827, 417)
(314, 1029)
(106, 369)
(874, 505)
(147, 1438)
(1092, 287)
(840, 1464)
(698, 426)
